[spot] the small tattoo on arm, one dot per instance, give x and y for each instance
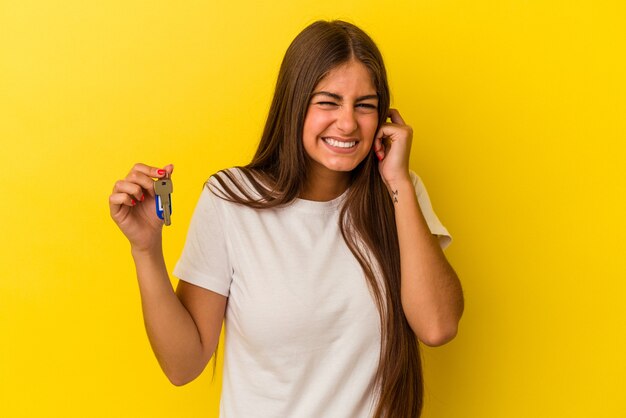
(395, 196)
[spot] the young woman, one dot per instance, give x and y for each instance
(322, 255)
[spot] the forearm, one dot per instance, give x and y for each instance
(171, 330)
(431, 293)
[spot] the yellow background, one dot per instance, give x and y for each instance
(518, 110)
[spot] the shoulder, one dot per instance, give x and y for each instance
(237, 185)
(227, 177)
(227, 181)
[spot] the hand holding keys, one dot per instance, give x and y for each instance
(163, 190)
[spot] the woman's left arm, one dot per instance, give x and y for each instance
(432, 298)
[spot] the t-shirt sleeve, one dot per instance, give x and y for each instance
(204, 261)
(435, 225)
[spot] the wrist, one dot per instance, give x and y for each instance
(400, 180)
(152, 251)
(400, 188)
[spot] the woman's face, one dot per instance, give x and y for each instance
(341, 119)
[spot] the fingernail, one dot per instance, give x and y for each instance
(142, 198)
(379, 157)
(132, 202)
(160, 172)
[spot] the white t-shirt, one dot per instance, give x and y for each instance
(302, 329)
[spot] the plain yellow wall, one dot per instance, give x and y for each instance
(518, 110)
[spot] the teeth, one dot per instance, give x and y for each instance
(339, 144)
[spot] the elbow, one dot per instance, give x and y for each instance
(180, 376)
(181, 373)
(440, 336)
(178, 380)
(439, 331)
(444, 330)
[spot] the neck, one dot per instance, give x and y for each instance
(322, 187)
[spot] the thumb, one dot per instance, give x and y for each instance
(169, 169)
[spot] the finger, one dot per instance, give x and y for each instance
(119, 202)
(130, 188)
(144, 181)
(169, 169)
(379, 148)
(395, 117)
(150, 171)
(388, 131)
(122, 199)
(144, 175)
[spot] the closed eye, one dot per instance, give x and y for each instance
(327, 104)
(366, 107)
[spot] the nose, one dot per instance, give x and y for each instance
(346, 120)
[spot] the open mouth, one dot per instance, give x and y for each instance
(339, 144)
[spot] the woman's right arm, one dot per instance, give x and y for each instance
(183, 327)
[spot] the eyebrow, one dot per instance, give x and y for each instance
(338, 97)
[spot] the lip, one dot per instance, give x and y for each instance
(339, 139)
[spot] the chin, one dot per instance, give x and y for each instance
(342, 167)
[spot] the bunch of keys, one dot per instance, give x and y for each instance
(163, 199)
